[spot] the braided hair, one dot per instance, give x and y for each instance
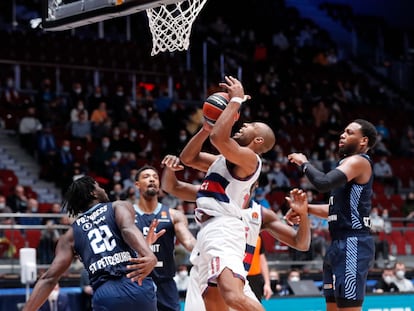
(79, 195)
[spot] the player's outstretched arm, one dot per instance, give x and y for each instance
(298, 239)
(221, 136)
(170, 183)
(192, 156)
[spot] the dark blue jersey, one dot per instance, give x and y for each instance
(349, 208)
(164, 247)
(99, 243)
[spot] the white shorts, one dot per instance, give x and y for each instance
(221, 243)
(194, 300)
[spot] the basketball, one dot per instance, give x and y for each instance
(214, 105)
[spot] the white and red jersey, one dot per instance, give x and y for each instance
(223, 194)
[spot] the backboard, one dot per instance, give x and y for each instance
(67, 14)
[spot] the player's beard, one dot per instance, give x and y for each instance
(347, 150)
(151, 192)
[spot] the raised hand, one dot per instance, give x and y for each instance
(172, 162)
(152, 235)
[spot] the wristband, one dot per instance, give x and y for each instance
(304, 167)
(238, 100)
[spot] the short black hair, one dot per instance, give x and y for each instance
(368, 130)
(145, 167)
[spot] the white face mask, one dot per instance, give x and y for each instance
(400, 274)
(294, 279)
(182, 273)
(388, 279)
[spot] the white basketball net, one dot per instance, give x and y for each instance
(171, 25)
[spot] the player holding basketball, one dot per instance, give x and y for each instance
(351, 252)
(255, 217)
(224, 191)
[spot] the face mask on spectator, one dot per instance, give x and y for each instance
(294, 279)
(400, 274)
(2, 205)
(388, 279)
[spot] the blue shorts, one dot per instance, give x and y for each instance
(123, 294)
(345, 270)
(167, 295)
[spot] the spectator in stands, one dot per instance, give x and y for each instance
(403, 284)
(64, 164)
(386, 283)
(29, 126)
(82, 129)
(154, 122)
(117, 192)
(275, 281)
(57, 301)
(95, 98)
(381, 148)
(131, 143)
(320, 149)
(99, 118)
(117, 139)
(17, 201)
(383, 130)
(407, 142)
(46, 153)
(181, 279)
(320, 113)
(408, 206)
(119, 99)
(10, 96)
(47, 243)
(384, 174)
(260, 197)
(280, 41)
(45, 96)
(74, 113)
(277, 178)
(76, 94)
(382, 246)
(4, 208)
(101, 157)
(293, 276)
(32, 209)
(263, 178)
(130, 181)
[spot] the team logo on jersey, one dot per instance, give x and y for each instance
(254, 218)
(86, 226)
(164, 214)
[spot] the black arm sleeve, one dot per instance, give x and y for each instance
(324, 182)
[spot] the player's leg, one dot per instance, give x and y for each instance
(232, 290)
(213, 300)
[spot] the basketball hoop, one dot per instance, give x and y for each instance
(171, 25)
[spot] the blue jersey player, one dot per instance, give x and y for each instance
(105, 238)
(172, 224)
(352, 250)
